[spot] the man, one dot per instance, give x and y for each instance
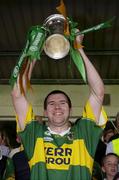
(102, 144)
(59, 150)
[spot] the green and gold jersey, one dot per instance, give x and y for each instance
(62, 158)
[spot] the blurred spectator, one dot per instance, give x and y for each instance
(4, 150)
(113, 145)
(13, 164)
(116, 127)
(17, 166)
(108, 132)
(117, 124)
(110, 164)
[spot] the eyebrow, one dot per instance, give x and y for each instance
(59, 101)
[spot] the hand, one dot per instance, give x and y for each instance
(79, 38)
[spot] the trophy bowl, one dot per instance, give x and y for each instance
(56, 45)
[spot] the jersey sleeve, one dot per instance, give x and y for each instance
(29, 117)
(88, 114)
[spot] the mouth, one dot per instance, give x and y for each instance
(58, 113)
(113, 171)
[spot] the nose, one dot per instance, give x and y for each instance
(57, 105)
(114, 167)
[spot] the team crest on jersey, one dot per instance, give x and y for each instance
(70, 136)
(48, 139)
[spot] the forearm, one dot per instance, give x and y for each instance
(96, 86)
(94, 81)
(19, 98)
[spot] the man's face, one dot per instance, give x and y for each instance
(111, 165)
(57, 110)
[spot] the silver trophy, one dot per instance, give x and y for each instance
(56, 45)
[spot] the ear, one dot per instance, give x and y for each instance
(103, 169)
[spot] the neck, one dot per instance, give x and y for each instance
(59, 129)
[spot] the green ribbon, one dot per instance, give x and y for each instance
(77, 59)
(33, 48)
(97, 27)
(36, 37)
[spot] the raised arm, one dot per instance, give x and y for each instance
(94, 81)
(19, 99)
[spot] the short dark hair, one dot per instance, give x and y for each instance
(107, 155)
(57, 92)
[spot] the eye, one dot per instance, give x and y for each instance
(63, 102)
(51, 103)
